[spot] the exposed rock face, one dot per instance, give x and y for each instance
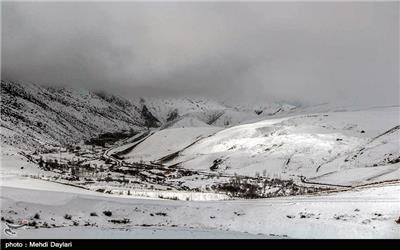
(150, 120)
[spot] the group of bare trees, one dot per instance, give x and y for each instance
(262, 187)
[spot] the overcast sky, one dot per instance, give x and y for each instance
(295, 52)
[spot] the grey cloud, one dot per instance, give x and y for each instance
(302, 52)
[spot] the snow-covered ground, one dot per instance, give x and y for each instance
(134, 233)
(360, 213)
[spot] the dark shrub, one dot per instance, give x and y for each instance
(120, 221)
(107, 213)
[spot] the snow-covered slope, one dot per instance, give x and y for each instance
(166, 142)
(321, 146)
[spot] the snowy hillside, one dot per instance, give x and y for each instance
(344, 148)
(166, 142)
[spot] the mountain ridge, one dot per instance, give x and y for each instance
(33, 115)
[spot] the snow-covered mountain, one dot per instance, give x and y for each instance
(34, 115)
(200, 112)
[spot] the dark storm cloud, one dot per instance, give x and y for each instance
(307, 52)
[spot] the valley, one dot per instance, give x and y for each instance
(154, 164)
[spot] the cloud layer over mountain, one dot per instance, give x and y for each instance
(299, 52)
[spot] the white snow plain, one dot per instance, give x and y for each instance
(359, 213)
